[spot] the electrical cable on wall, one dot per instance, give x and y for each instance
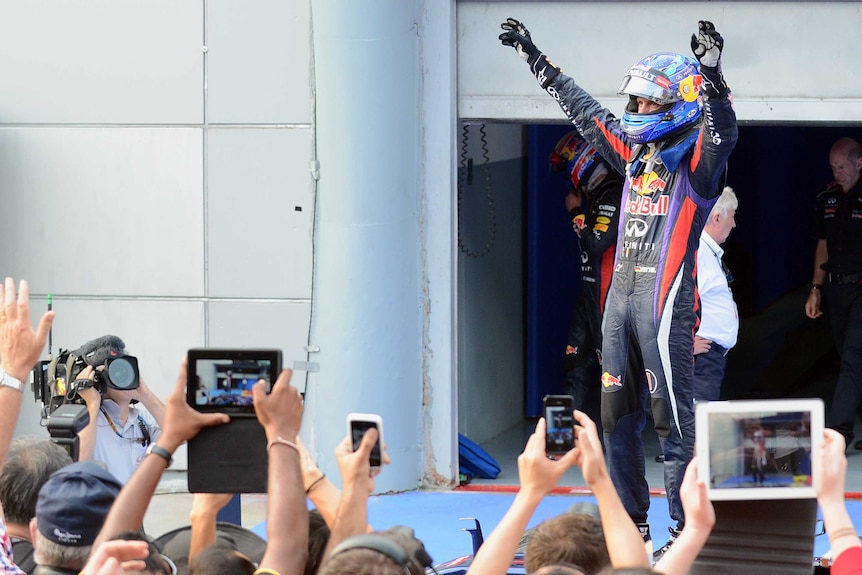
(465, 170)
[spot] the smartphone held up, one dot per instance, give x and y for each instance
(559, 424)
(357, 425)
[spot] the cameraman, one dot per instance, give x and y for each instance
(123, 423)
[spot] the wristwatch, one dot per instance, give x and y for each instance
(9, 381)
(161, 452)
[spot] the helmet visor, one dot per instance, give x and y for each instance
(643, 88)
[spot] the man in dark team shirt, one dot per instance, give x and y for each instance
(838, 272)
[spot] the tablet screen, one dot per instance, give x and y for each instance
(759, 449)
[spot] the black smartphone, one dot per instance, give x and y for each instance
(357, 425)
(560, 424)
(221, 380)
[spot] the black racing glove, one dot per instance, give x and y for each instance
(707, 45)
(517, 36)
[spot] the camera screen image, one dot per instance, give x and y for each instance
(357, 431)
(758, 450)
(559, 435)
(226, 385)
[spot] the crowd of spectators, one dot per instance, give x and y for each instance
(81, 519)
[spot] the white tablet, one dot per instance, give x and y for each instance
(759, 449)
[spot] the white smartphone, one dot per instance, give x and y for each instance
(357, 425)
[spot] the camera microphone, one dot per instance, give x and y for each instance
(97, 351)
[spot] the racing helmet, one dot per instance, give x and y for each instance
(669, 79)
(574, 154)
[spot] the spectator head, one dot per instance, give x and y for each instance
(29, 463)
(156, 563)
(318, 537)
(70, 511)
(573, 539)
(560, 570)
(390, 552)
(221, 558)
(627, 571)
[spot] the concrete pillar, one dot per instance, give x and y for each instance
(367, 317)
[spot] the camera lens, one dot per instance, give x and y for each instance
(122, 374)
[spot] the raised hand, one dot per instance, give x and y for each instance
(699, 512)
(181, 422)
(517, 36)
(707, 44)
(280, 411)
(590, 458)
(536, 472)
(20, 345)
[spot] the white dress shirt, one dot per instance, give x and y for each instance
(719, 320)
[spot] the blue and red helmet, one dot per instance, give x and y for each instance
(671, 80)
(576, 156)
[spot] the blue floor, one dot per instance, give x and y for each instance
(436, 517)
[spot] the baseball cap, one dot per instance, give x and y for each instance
(74, 502)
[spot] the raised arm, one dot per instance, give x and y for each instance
(357, 478)
(719, 131)
(829, 484)
(152, 402)
(280, 413)
(203, 517)
(538, 475)
(625, 544)
(318, 487)
(699, 521)
(93, 399)
(20, 348)
(181, 424)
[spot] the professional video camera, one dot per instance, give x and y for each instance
(54, 380)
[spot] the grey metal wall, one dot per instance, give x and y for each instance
(491, 270)
(154, 173)
(785, 61)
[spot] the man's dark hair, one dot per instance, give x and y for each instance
(609, 570)
(221, 558)
(351, 557)
(29, 463)
(318, 537)
(570, 538)
(155, 562)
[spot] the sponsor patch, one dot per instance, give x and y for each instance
(609, 380)
(644, 206)
(652, 381)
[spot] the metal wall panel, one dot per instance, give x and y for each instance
(101, 61)
(282, 325)
(258, 62)
(260, 208)
(99, 211)
(785, 61)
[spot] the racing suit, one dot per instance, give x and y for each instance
(670, 188)
(597, 236)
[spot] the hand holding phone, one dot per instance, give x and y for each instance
(357, 425)
(560, 424)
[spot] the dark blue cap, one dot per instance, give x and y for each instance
(74, 503)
